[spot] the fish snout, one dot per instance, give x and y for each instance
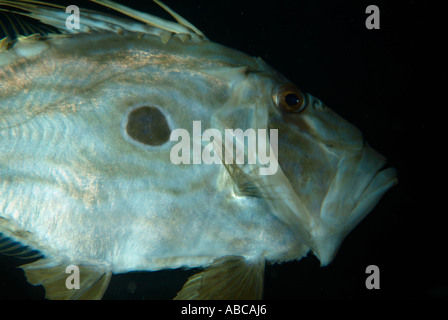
(357, 187)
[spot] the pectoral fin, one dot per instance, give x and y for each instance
(93, 280)
(227, 278)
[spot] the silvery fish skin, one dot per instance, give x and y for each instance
(82, 182)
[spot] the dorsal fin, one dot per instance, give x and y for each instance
(179, 19)
(55, 16)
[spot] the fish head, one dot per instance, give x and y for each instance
(329, 178)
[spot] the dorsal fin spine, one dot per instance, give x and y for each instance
(55, 16)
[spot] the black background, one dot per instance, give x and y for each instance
(373, 79)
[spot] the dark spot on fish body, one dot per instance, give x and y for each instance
(148, 125)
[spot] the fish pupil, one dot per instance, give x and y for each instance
(148, 125)
(292, 99)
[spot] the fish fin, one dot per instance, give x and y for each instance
(17, 23)
(16, 242)
(17, 250)
(179, 19)
(55, 16)
(250, 184)
(227, 278)
(244, 184)
(182, 27)
(93, 280)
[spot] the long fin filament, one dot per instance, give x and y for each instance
(54, 15)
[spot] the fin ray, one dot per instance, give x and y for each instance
(179, 19)
(12, 248)
(52, 275)
(229, 278)
(54, 15)
(149, 19)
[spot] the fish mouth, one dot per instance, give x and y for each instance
(359, 184)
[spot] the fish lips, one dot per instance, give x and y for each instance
(358, 185)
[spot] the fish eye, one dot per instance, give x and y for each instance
(290, 99)
(148, 125)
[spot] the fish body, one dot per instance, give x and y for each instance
(149, 208)
(87, 176)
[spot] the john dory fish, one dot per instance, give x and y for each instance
(86, 131)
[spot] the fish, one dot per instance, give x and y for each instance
(86, 173)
